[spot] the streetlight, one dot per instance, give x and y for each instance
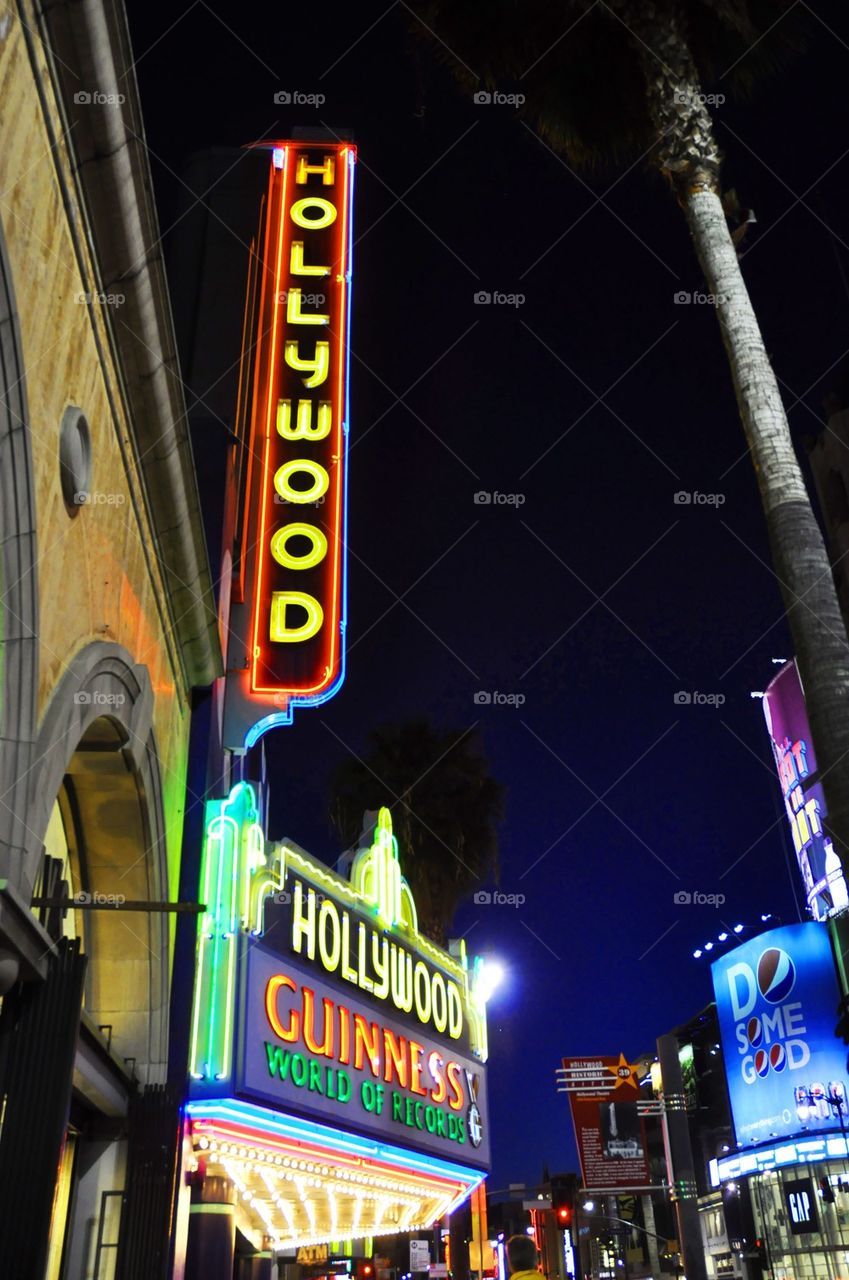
(489, 977)
(588, 1206)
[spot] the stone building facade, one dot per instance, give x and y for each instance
(107, 624)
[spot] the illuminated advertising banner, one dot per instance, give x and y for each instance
(312, 1047)
(776, 999)
(610, 1135)
(288, 619)
(790, 734)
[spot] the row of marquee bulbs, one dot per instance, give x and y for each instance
(296, 1167)
(263, 1162)
(259, 1207)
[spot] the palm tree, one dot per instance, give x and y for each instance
(444, 805)
(603, 79)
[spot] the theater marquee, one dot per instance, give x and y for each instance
(332, 1045)
(287, 624)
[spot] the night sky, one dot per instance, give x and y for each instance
(597, 399)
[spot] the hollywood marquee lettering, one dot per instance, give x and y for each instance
(325, 932)
(300, 425)
(321, 1047)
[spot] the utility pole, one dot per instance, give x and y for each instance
(682, 1179)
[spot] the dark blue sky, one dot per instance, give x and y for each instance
(599, 597)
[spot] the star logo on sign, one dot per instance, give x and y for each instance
(625, 1073)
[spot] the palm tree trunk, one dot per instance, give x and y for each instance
(798, 553)
(689, 157)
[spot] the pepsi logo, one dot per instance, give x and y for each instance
(754, 1032)
(762, 1062)
(777, 1057)
(776, 975)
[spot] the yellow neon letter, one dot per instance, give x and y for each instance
(329, 939)
(283, 475)
(295, 315)
(303, 925)
(326, 216)
(280, 601)
(303, 430)
(319, 364)
(327, 169)
(313, 557)
(298, 267)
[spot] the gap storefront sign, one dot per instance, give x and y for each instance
(776, 998)
(337, 1056)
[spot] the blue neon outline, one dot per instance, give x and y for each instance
(311, 1131)
(279, 718)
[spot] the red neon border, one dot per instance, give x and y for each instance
(338, 439)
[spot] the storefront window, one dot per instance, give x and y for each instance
(819, 1247)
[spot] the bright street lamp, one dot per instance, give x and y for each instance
(489, 978)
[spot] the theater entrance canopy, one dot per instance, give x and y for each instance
(337, 1056)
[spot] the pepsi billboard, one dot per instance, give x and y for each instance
(776, 1000)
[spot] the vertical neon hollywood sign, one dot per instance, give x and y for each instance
(292, 622)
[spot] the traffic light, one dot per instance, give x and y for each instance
(563, 1200)
(364, 1269)
(760, 1250)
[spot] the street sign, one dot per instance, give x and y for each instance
(419, 1255)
